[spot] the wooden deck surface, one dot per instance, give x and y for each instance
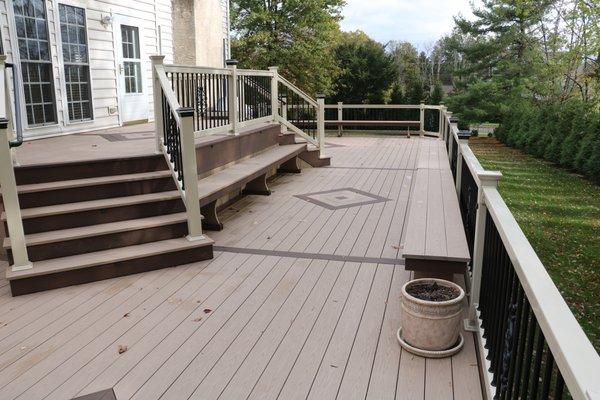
(302, 301)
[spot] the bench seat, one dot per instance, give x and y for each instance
(435, 244)
(250, 175)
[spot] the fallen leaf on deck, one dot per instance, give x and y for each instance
(122, 348)
(125, 315)
(207, 310)
(197, 319)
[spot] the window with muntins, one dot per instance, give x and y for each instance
(36, 63)
(132, 66)
(76, 61)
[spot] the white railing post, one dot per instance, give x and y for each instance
(421, 119)
(274, 92)
(463, 139)
(441, 123)
(340, 117)
(8, 183)
(284, 127)
(447, 131)
(190, 174)
(321, 123)
(486, 179)
(232, 95)
(157, 96)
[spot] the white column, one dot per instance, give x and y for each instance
(190, 174)
(486, 179)
(157, 96)
(441, 123)
(274, 92)
(321, 123)
(232, 95)
(421, 119)
(340, 117)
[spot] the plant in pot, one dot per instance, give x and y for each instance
(431, 317)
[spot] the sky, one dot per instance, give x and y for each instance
(420, 22)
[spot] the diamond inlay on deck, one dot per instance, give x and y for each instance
(342, 198)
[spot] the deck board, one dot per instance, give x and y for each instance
(279, 325)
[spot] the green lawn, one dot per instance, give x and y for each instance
(560, 213)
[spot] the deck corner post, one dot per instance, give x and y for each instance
(12, 208)
(232, 95)
(321, 123)
(421, 119)
(157, 62)
(486, 179)
(190, 173)
(340, 117)
(441, 124)
(274, 92)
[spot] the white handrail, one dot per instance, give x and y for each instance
(575, 356)
(192, 69)
(298, 91)
(384, 106)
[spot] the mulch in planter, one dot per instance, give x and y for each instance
(432, 292)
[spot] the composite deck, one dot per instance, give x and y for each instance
(302, 301)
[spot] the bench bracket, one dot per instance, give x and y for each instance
(211, 219)
(290, 166)
(258, 186)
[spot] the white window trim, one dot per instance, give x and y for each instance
(61, 64)
(14, 47)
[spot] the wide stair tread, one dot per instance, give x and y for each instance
(62, 235)
(110, 256)
(102, 180)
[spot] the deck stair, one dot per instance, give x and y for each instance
(91, 220)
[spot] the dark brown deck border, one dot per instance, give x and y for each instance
(309, 256)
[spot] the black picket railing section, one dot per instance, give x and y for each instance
(384, 115)
(454, 157)
(299, 111)
(468, 204)
(432, 120)
(206, 93)
(172, 140)
(448, 133)
(254, 97)
(521, 362)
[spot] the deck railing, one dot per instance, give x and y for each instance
(530, 344)
(421, 119)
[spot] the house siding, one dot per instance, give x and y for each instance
(154, 16)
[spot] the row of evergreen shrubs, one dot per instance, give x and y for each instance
(567, 134)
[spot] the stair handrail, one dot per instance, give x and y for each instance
(8, 184)
(318, 105)
(175, 140)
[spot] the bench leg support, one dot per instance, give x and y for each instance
(290, 166)
(211, 219)
(258, 186)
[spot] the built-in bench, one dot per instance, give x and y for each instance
(435, 242)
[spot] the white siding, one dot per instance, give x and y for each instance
(153, 14)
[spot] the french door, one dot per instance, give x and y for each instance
(133, 99)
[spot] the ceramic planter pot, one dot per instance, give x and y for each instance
(431, 325)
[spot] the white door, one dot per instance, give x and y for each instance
(133, 100)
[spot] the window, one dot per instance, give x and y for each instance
(132, 67)
(36, 65)
(76, 61)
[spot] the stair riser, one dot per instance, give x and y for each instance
(73, 195)
(110, 270)
(287, 138)
(312, 158)
(95, 217)
(104, 242)
(89, 169)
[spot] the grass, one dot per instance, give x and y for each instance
(560, 214)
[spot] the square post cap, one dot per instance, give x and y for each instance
(320, 96)
(231, 62)
(465, 134)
